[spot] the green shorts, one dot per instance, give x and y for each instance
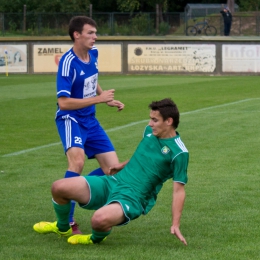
(105, 190)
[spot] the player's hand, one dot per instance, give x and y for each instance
(116, 103)
(113, 170)
(117, 167)
(176, 231)
(107, 96)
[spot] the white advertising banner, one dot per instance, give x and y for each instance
(171, 57)
(47, 57)
(240, 58)
(13, 58)
(109, 57)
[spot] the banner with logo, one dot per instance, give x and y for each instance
(46, 57)
(240, 58)
(171, 57)
(13, 58)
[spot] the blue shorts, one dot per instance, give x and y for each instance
(88, 135)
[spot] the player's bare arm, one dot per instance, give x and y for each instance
(66, 103)
(177, 207)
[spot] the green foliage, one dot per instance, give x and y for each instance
(99, 5)
(140, 24)
(163, 4)
(249, 5)
(104, 30)
(128, 5)
(37, 6)
(12, 26)
(104, 5)
(219, 127)
(122, 29)
(164, 28)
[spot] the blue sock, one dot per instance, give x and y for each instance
(70, 174)
(97, 172)
(72, 209)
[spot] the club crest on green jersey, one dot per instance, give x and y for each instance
(165, 150)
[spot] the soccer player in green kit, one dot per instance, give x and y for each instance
(131, 188)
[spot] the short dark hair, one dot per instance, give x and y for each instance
(77, 23)
(167, 108)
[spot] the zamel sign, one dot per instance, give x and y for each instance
(46, 57)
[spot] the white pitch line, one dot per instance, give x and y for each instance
(30, 150)
(129, 125)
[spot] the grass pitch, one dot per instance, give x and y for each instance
(220, 127)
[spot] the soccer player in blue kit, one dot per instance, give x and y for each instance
(78, 92)
(131, 187)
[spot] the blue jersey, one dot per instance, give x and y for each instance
(77, 79)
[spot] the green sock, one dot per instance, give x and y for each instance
(62, 213)
(97, 237)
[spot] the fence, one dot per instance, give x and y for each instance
(56, 24)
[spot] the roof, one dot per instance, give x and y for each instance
(203, 6)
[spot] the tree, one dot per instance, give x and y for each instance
(104, 5)
(249, 5)
(231, 5)
(128, 5)
(162, 6)
(50, 6)
(135, 5)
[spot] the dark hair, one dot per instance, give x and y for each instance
(77, 23)
(167, 108)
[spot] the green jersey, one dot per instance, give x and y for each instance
(155, 161)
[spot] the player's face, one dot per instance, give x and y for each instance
(161, 128)
(87, 37)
